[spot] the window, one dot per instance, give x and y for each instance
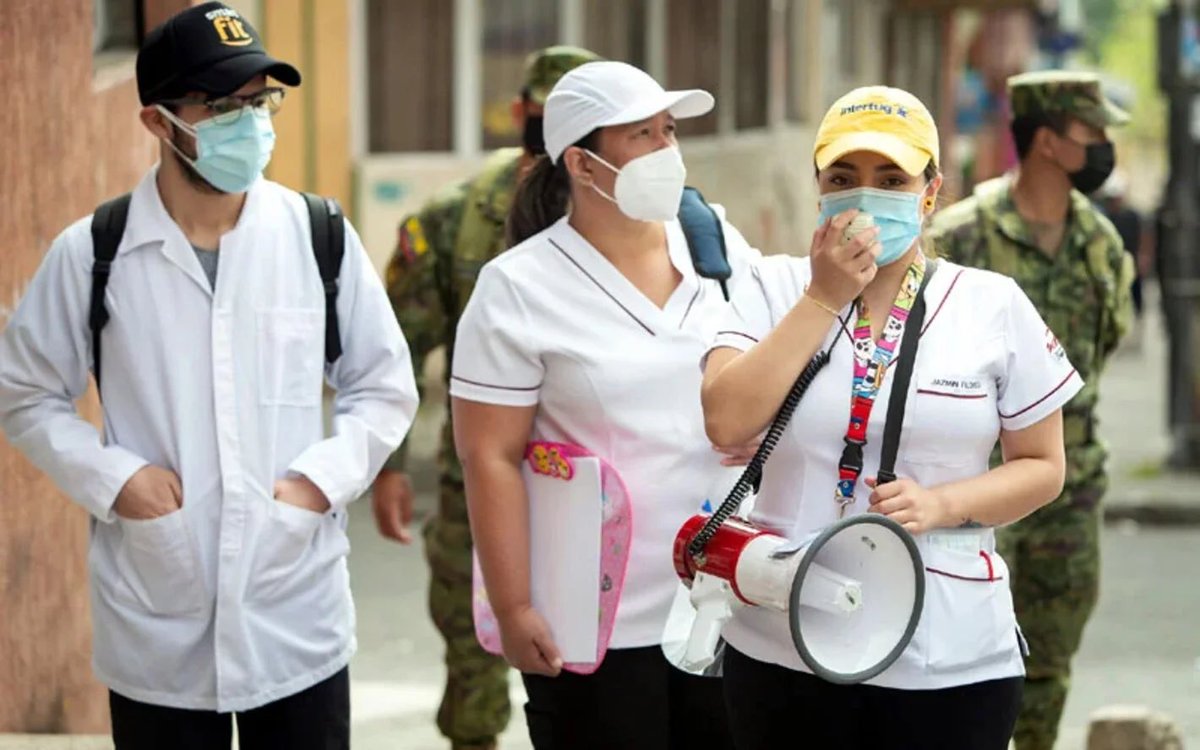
(511, 30)
(410, 64)
(920, 69)
(116, 25)
(797, 85)
(616, 29)
(752, 84)
(839, 37)
(694, 54)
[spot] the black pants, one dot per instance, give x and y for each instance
(636, 700)
(775, 707)
(315, 719)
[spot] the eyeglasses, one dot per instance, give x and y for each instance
(227, 109)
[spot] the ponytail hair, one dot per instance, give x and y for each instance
(542, 197)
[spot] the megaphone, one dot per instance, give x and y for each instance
(853, 592)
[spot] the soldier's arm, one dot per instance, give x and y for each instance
(949, 234)
(414, 281)
(1120, 317)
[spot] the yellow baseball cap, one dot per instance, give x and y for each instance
(886, 121)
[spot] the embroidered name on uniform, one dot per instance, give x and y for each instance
(954, 387)
(969, 385)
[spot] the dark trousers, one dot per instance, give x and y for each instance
(775, 707)
(315, 719)
(636, 700)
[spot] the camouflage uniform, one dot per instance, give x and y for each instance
(1083, 294)
(429, 279)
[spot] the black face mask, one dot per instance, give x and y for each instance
(532, 138)
(1098, 165)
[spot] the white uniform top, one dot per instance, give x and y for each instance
(986, 360)
(553, 323)
(237, 599)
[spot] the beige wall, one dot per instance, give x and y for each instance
(764, 180)
(69, 138)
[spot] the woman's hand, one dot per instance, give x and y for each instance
(840, 271)
(527, 642)
(909, 504)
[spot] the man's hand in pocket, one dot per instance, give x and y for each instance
(302, 493)
(150, 493)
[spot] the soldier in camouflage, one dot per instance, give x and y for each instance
(1038, 227)
(429, 279)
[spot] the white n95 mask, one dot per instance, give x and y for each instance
(650, 187)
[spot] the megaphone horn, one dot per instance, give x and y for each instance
(853, 592)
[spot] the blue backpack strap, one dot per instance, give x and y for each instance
(108, 227)
(705, 238)
(328, 245)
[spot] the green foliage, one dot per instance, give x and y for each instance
(1123, 44)
(1102, 17)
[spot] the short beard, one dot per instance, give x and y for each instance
(189, 172)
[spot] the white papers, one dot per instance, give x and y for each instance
(564, 555)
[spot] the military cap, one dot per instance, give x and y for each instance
(1062, 92)
(544, 67)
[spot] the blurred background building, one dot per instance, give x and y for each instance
(403, 96)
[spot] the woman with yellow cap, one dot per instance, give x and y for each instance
(986, 369)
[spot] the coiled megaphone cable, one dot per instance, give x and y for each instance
(753, 473)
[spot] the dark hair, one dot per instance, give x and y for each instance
(1025, 128)
(543, 195)
(931, 171)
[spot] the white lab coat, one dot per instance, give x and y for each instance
(237, 599)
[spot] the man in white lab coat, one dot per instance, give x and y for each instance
(218, 506)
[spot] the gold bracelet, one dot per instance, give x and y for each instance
(819, 303)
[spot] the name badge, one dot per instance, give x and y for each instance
(953, 386)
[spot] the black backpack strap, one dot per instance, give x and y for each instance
(904, 370)
(705, 237)
(108, 226)
(329, 245)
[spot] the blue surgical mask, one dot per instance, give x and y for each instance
(231, 150)
(897, 214)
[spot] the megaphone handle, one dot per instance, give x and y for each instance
(706, 631)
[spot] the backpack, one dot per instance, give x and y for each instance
(328, 245)
(705, 238)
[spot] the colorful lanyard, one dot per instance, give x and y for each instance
(871, 363)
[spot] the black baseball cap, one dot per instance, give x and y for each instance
(208, 48)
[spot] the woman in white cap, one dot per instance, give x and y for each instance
(587, 332)
(986, 368)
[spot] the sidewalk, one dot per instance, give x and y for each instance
(1133, 421)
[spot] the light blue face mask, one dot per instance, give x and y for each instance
(896, 213)
(232, 150)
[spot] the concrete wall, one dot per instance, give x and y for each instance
(69, 138)
(763, 179)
